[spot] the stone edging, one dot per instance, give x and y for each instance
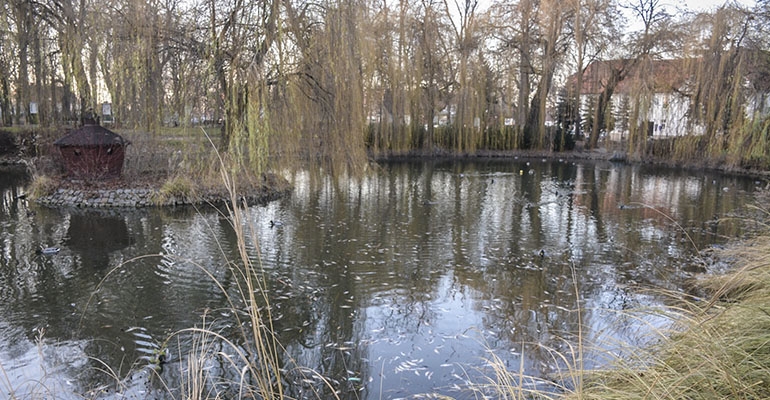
(139, 198)
(100, 198)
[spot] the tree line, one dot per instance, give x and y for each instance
(335, 80)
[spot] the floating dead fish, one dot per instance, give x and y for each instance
(49, 250)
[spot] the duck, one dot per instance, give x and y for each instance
(273, 224)
(49, 250)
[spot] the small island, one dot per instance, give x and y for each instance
(148, 178)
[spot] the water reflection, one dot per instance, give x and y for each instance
(94, 235)
(390, 286)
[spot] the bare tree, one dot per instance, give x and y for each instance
(596, 24)
(302, 77)
(462, 16)
(22, 17)
(70, 21)
(554, 41)
(538, 32)
(434, 56)
(6, 49)
(655, 34)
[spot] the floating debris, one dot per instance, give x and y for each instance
(49, 250)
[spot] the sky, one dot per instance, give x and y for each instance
(704, 5)
(692, 5)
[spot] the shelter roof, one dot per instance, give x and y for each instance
(90, 136)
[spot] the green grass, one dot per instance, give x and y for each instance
(15, 130)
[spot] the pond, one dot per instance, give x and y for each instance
(399, 285)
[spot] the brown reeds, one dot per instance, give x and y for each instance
(714, 346)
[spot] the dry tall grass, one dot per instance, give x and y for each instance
(722, 350)
(717, 348)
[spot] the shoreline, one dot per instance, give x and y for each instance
(143, 198)
(608, 155)
(148, 193)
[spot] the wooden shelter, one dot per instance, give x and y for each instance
(92, 152)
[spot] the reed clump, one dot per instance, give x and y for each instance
(252, 362)
(42, 185)
(718, 348)
(178, 186)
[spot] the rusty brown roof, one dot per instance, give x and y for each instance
(661, 75)
(90, 136)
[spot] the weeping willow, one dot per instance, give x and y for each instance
(346, 122)
(311, 115)
(395, 66)
(719, 128)
(325, 84)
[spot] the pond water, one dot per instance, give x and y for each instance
(398, 285)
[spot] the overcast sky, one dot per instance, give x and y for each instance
(710, 4)
(693, 5)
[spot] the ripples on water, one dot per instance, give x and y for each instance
(391, 286)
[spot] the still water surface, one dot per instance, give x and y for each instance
(394, 286)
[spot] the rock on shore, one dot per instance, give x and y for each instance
(100, 198)
(137, 198)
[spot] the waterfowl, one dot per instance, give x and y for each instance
(273, 224)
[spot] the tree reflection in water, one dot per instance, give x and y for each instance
(393, 285)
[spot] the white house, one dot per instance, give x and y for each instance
(663, 88)
(659, 82)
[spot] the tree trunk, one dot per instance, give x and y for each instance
(604, 102)
(5, 101)
(24, 16)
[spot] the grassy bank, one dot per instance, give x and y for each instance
(717, 345)
(719, 348)
(178, 160)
